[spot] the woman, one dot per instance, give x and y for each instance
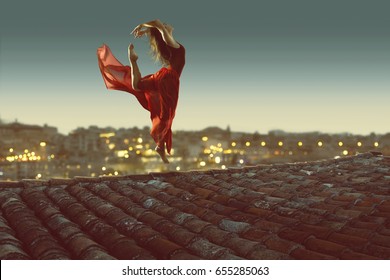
(157, 93)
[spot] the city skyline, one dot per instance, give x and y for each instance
(299, 67)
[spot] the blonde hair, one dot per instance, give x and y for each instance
(158, 48)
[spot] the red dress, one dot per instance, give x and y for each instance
(158, 93)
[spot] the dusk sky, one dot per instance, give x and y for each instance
(254, 65)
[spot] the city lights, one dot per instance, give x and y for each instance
(107, 135)
(122, 153)
(95, 152)
(111, 146)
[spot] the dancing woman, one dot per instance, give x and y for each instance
(158, 93)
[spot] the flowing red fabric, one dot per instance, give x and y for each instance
(158, 93)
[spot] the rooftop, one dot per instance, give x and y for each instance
(330, 209)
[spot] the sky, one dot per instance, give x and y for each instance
(260, 65)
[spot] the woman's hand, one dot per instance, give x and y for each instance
(139, 31)
(131, 53)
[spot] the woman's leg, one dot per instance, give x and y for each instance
(157, 134)
(160, 149)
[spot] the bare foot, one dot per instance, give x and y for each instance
(162, 154)
(132, 54)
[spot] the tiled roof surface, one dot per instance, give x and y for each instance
(331, 209)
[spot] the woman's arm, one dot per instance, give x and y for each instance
(166, 34)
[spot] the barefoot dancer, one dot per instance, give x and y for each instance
(157, 93)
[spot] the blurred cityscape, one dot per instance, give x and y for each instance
(40, 152)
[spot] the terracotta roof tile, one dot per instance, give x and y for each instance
(382, 240)
(377, 251)
(243, 217)
(351, 255)
(352, 242)
(304, 254)
(182, 236)
(205, 249)
(162, 248)
(240, 246)
(196, 225)
(96, 254)
(216, 235)
(316, 230)
(255, 234)
(281, 245)
(269, 226)
(325, 247)
(233, 226)
(384, 231)
(12, 252)
(261, 252)
(330, 209)
(144, 234)
(183, 255)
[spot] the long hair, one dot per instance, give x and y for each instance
(158, 47)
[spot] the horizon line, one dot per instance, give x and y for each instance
(2, 121)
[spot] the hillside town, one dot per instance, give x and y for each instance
(41, 152)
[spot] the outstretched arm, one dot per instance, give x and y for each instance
(165, 33)
(135, 72)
